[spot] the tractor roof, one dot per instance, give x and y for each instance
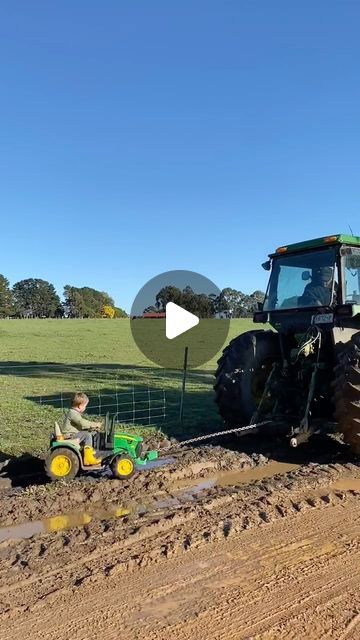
(318, 243)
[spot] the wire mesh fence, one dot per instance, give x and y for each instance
(146, 406)
(142, 396)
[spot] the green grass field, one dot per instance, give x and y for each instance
(44, 359)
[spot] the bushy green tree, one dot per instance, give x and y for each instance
(120, 313)
(85, 302)
(74, 305)
(36, 298)
(230, 300)
(168, 294)
(200, 304)
(6, 298)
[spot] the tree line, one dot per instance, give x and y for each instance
(229, 302)
(36, 298)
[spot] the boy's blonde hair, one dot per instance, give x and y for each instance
(79, 398)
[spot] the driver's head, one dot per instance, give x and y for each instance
(79, 401)
(324, 276)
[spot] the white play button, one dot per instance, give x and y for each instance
(178, 320)
(161, 337)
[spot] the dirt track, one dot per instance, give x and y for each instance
(274, 558)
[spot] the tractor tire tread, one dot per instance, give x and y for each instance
(346, 392)
(231, 391)
(71, 455)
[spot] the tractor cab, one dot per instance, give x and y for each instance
(314, 282)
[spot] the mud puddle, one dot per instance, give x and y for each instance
(239, 476)
(63, 522)
(268, 470)
(58, 523)
(182, 488)
(347, 484)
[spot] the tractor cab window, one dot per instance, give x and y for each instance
(301, 280)
(352, 276)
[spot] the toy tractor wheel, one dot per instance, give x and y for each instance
(62, 464)
(347, 392)
(123, 467)
(242, 373)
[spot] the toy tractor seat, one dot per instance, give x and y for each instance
(58, 435)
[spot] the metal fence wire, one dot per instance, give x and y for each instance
(144, 406)
(152, 397)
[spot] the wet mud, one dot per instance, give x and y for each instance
(73, 537)
(41, 500)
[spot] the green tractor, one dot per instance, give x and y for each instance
(304, 376)
(119, 452)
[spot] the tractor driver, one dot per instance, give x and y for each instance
(75, 426)
(318, 292)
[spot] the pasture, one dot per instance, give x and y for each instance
(42, 360)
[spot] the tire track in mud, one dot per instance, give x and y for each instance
(296, 578)
(34, 571)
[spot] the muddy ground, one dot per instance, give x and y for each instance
(217, 544)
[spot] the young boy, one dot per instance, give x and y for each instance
(77, 427)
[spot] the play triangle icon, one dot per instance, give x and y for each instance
(178, 320)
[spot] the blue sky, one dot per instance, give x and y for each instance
(139, 137)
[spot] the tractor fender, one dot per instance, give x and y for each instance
(63, 444)
(114, 454)
(108, 459)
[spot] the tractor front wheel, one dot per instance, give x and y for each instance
(123, 467)
(347, 392)
(62, 464)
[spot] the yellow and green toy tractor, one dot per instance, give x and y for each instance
(119, 452)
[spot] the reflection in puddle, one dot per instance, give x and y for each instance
(184, 488)
(58, 523)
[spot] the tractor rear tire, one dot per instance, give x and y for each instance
(242, 373)
(62, 464)
(347, 392)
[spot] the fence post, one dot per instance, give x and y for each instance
(133, 399)
(164, 405)
(183, 383)
(149, 403)
(117, 397)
